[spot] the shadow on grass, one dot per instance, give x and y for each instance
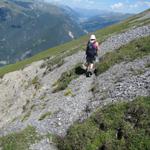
(79, 70)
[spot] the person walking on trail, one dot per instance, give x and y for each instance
(91, 54)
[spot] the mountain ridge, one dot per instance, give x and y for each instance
(101, 21)
(19, 19)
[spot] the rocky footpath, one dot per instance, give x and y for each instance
(124, 81)
(26, 95)
(116, 41)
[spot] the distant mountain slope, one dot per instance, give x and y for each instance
(28, 27)
(100, 21)
(94, 19)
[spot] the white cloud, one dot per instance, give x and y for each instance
(147, 3)
(117, 6)
(91, 2)
(133, 6)
(73, 2)
(143, 3)
(130, 6)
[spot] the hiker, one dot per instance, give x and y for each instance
(91, 54)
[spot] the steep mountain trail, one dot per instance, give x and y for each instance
(112, 43)
(31, 90)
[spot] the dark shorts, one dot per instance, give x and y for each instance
(90, 60)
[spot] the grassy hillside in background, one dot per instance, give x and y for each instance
(78, 44)
(118, 126)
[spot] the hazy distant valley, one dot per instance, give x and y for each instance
(28, 27)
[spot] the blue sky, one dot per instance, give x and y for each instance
(126, 6)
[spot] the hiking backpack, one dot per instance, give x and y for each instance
(91, 50)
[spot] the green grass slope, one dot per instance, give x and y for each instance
(79, 44)
(121, 126)
(21, 140)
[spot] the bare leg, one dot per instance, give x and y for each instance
(91, 66)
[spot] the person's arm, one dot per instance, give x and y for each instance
(97, 48)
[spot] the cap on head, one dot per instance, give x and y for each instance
(92, 37)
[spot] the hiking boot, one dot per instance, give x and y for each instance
(88, 74)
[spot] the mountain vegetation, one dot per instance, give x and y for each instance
(47, 102)
(127, 128)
